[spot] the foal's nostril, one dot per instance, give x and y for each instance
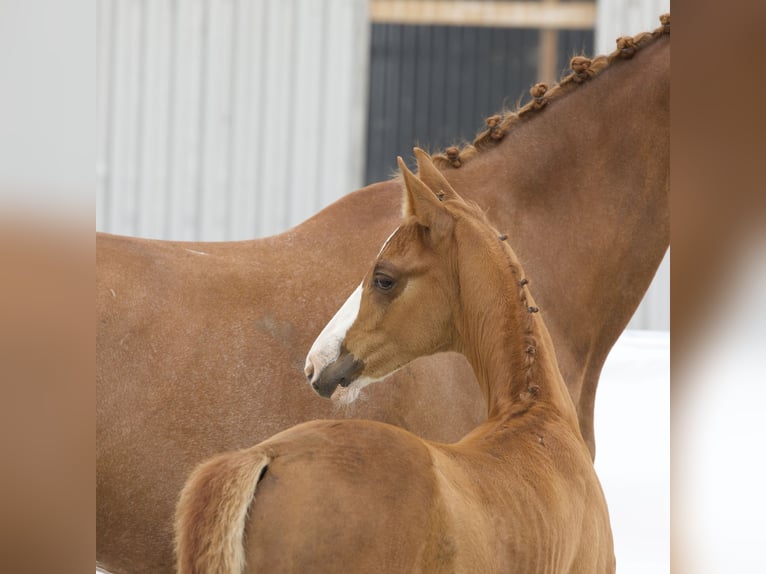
(309, 370)
(315, 385)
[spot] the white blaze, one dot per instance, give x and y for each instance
(326, 348)
(387, 240)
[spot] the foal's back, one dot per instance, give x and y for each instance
(361, 496)
(324, 496)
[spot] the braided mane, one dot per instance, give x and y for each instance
(583, 69)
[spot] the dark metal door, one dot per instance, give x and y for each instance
(432, 86)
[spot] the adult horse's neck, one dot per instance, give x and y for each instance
(504, 338)
(583, 184)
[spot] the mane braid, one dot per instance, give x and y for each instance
(583, 69)
(530, 393)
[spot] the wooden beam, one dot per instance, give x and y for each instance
(549, 47)
(501, 14)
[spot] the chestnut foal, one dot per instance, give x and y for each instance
(517, 494)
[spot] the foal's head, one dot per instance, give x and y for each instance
(407, 303)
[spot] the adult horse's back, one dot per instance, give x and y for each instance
(200, 346)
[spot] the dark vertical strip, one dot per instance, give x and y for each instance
(528, 69)
(138, 182)
(438, 63)
(507, 54)
(451, 121)
(497, 69)
(516, 55)
(407, 107)
(564, 50)
(170, 126)
(423, 57)
(392, 85)
(484, 104)
(465, 71)
(376, 102)
(201, 121)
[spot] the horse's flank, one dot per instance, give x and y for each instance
(199, 354)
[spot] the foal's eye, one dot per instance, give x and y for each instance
(382, 282)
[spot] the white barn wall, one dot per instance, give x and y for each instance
(654, 311)
(227, 119)
(615, 18)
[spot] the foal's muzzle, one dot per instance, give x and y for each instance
(341, 372)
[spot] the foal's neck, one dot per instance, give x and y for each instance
(505, 339)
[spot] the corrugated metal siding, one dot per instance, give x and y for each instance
(615, 18)
(227, 119)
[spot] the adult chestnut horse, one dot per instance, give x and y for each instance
(200, 346)
(518, 494)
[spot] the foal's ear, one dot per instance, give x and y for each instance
(433, 178)
(423, 204)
